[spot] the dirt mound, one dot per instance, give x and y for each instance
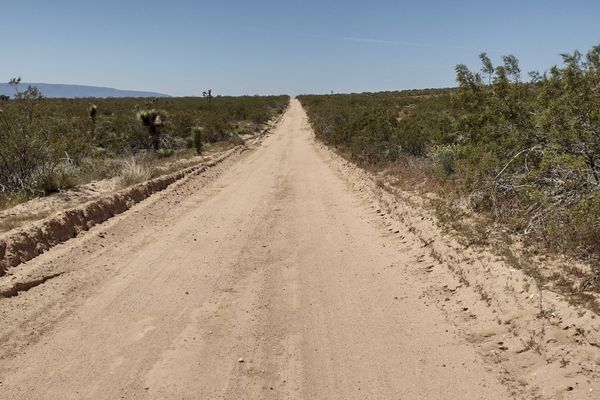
(23, 244)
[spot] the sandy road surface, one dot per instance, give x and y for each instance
(268, 279)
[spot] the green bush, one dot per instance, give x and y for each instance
(197, 138)
(55, 181)
(445, 158)
(526, 153)
(164, 153)
(216, 129)
(39, 136)
(34, 143)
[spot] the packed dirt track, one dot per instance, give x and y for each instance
(268, 276)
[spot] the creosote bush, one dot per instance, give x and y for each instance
(527, 153)
(197, 139)
(48, 145)
(444, 157)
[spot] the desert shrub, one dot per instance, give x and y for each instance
(133, 172)
(102, 167)
(445, 158)
(197, 138)
(525, 153)
(52, 182)
(39, 136)
(236, 139)
(372, 139)
(216, 129)
(172, 142)
(33, 143)
(164, 153)
(585, 218)
(412, 137)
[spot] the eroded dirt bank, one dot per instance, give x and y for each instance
(272, 275)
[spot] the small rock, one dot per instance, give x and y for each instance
(241, 360)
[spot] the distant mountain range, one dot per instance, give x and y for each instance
(72, 91)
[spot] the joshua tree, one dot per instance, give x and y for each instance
(93, 112)
(152, 120)
(208, 95)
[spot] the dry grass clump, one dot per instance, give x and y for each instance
(133, 172)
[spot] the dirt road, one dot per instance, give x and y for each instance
(265, 278)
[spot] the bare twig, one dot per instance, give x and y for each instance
(514, 158)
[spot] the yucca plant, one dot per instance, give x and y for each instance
(153, 121)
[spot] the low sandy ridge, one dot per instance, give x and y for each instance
(280, 273)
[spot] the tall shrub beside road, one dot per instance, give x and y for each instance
(524, 152)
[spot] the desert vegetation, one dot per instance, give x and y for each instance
(47, 145)
(523, 152)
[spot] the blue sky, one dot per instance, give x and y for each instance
(262, 47)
